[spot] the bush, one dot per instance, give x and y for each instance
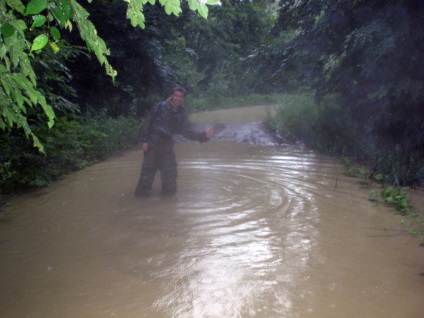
(296, 116)
(70, 145)
(328, 127)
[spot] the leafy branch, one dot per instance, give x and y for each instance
(41, 21)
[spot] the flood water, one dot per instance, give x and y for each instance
(256, 229)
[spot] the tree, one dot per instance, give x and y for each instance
(366, 52)
(185, 50)
(233, 31)
(138, 55)
(363, 61)
(27, 30)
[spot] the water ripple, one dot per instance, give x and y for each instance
(260, 222)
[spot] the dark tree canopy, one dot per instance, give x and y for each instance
(369, 53)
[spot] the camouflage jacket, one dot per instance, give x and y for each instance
(162, 123)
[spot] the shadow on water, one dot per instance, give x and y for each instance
(389, 232)
(256, 229)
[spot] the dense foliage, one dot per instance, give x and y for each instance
(28, 29)
(73, 144)
(363, 61)
(202, 55)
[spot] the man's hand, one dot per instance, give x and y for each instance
(209, 132)
(144, 146)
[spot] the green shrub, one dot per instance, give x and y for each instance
(399, 198)
(328, 127)
(400, 167)
(295, 115)
(70, 145)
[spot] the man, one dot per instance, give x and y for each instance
(164, 120)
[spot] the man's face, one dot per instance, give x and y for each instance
(177, 99)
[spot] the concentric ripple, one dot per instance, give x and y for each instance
(252, 229)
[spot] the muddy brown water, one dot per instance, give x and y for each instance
(256, 229)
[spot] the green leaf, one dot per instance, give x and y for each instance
(213, 2)
(19, 98)
(62, 11)
(135, 13)
(27, 70)
(172, 6)
(16, 5)
(3, 51)
(203, 10)
(55, 33)
(379, 177)
(36, 6)
(92, 40)
(39, 42)
(69, 25)
(6, 83)
(39, 20)
(7, 63)
(48, 110)
(16, 45)
(7, 30)
(19, 25)
(13, 103)
(9, 117)
(360, 171)
(193, 4)
(66, 7)
(36, 142)
(59, 15)
(54, 47)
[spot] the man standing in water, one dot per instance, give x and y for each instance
(164, 120)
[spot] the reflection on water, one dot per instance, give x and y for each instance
(239, 242)
(254, 231)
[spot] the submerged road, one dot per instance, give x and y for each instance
(257, 229)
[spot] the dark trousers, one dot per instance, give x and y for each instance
(162, 159)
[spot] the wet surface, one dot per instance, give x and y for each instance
(254, 231)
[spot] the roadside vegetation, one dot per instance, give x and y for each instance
(73, 144)
(397, 197)
(327, 128)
